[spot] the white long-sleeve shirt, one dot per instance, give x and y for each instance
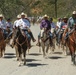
(23, 23)
(59, 24)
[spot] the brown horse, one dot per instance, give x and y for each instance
(64, 42)
(72, 45)
(2, 44)
(21, 45)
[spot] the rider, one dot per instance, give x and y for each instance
(13, 26)
(53, 26)
(24, 24)
(58, 23)
(3, 25)
(62, 27)
(71, 23)
(16, 21)
(45, 23)
(9, 26)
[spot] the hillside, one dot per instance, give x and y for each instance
(10, 8)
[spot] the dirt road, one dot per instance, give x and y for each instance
(55, 64)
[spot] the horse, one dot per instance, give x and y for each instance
(61, 39)
(72, 45)
(45, 43)
(21, 44)
(64, 42)
(2, 44)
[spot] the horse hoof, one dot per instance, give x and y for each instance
(17, 59)
(19, 65)
(24, 63)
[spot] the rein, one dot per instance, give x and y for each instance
(21, 43)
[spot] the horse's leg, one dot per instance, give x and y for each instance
(17, 53)
(43, 48)
(20, 53)
(24, 54)
(39, 48)
(73, 54)
(53, 47)
(47, 48)
(0, 52)
(72, 51)
(3, 52)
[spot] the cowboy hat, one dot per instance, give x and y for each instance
(22, 13)
(19, 16)
(74, 12)
(1, 15)
(45, 16)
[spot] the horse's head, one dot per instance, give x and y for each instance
(41, 32)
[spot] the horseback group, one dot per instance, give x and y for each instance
(64, 31)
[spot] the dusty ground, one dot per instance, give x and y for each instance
(55, 64)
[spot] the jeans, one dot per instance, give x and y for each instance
(27, 34)
(50, 35)
(10, 34)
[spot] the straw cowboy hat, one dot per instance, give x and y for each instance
(19, 16)
(65, 17)
(45, 16)
(1, 15)
(74, 12)
(24, 14)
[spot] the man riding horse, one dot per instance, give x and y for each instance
(9, 26)
(24, 25)
(71, 23)
(45, 23)
(70, 37)
(14, 26)
(62, 27)
(3, 26)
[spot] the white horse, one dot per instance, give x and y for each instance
(46, 44)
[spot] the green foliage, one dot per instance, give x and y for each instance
(11, 8)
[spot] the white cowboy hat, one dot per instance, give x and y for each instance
(19, 16)
(22, 13)
(45, 16)
(1, 15)
(74, 12)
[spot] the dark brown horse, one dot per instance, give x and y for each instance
(2, 44)
(21, 45)
(72, 45)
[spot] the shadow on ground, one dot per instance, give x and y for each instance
(35, 54)
(55, 57)
(9, 55)
(30, 60)
(57, 53)
(35, 64)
